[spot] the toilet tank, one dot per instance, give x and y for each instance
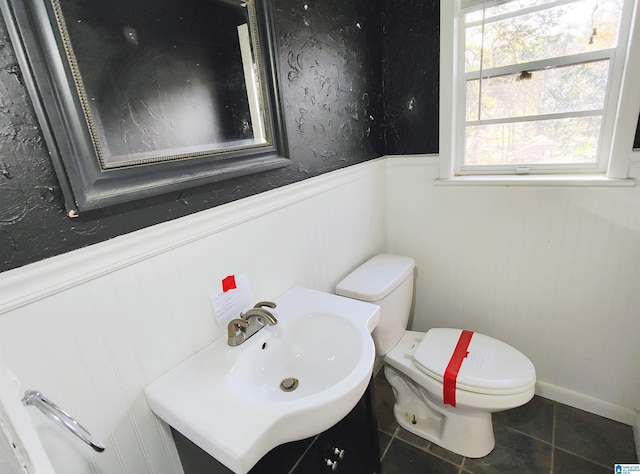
(385, 280)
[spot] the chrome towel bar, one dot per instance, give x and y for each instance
(57, 414)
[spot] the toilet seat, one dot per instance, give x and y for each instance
(491, 367)
(400, 359)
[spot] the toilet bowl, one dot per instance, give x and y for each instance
(465, 429)
(447, 381)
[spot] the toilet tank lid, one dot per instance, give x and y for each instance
(376, 278)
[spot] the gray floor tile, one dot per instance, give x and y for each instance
(383, 441)
(445, 454)
(593, 437)
(514, 452)
(402, 458)
(535, 418)
(564, 462)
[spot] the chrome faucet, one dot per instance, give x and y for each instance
(247, 324)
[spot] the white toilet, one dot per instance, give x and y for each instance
(447, 382)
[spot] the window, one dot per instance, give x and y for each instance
(539, 83)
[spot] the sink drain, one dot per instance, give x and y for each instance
(289, 384)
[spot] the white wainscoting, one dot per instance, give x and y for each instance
(91, 328)
(553, 271)
(636, 433)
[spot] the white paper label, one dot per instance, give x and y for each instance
(229, 304)
(482, 358)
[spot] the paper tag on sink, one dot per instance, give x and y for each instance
(233, 299)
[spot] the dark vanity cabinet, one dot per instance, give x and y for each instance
(349, 447)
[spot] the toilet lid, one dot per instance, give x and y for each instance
(491, 366)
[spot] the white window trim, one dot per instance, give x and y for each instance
(624, 121)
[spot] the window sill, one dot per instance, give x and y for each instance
(537, 180)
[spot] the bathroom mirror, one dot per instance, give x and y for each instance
(140, 97)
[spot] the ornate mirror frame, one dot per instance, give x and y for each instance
(43, 51)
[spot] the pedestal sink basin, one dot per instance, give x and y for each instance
(288, 382)
(314, 353)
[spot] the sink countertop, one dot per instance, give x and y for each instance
(198, 398)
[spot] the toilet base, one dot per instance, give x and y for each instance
(462, 431)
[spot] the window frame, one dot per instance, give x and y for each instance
(622, 103)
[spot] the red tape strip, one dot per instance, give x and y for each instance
(229, 283)
(451, 373)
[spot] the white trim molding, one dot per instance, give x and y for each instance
(584, 402)
(626, 118)
(636, 433)
(25, 285)
(582, 180)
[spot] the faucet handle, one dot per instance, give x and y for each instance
(268, 304)
(237, 326)
(237, 331)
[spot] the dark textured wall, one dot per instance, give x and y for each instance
(331, 78)
(411, 60)
(359, 80)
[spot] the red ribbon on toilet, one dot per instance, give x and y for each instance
(451, 373)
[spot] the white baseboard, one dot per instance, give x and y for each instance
(636, 434)
(628, 416)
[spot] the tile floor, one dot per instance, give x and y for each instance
(542, 436)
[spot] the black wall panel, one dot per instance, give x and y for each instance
(411, 38)
(359, 80)
(331, 78)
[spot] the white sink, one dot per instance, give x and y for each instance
(229, 400)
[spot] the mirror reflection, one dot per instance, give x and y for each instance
(162, 80)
